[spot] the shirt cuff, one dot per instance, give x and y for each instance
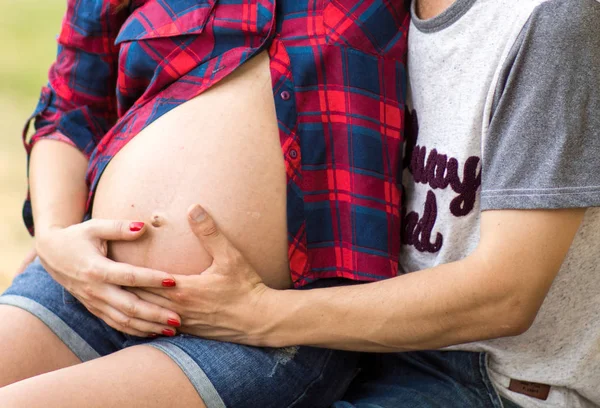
(51, 136)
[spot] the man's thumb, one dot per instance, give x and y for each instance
(204, 227)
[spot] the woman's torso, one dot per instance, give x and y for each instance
(337, 77)
(221, 150)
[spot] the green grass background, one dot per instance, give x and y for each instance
(28, 31)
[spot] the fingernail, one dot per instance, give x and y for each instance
(153, 335)
(197, 213)
(169, 283)
(136, 226)
(168, 332)
(173, 322)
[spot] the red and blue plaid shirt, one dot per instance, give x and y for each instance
(339, 82)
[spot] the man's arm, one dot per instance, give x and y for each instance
(495, 292)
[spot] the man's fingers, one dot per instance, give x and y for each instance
(122, 274)
(115, 230)
(205, 228)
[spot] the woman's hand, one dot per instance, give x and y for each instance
(75, 257)
(226, 302)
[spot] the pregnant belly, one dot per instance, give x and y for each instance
(221, 150)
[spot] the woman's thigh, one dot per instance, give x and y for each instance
(36, 334)
(28, 347)
(223, 374)
(138, 376)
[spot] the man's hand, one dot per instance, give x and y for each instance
(225, 302)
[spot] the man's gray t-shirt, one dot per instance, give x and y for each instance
(505, 114)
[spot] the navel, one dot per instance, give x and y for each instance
(157, 220)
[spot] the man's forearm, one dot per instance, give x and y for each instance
(423, 310)
(494, 292)
(57, 184)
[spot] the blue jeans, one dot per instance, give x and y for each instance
(423, 379)
(224, 374)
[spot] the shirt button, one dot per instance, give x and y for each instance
(293, 153)
(285, 95)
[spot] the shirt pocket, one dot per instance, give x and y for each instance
(377, 27)
(160, 42)
(168, 18)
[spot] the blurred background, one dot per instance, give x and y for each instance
(28, 30)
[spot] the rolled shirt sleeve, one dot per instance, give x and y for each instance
(78, 106)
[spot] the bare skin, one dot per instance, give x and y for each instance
(220, 149)
(495, 292)
(39, 371)
(415, 311)
(427, 9)
(139, 376)
(74, 253)
(410, 312)
(39, 350)
(143, 376)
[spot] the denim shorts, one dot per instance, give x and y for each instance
(232, 375)
(224, 374)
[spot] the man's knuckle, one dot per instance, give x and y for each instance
(87, 269)
(89, 291)
(98, 274)
(104, 276)
(94, 271)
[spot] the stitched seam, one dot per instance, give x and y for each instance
(545, 189)
(539, 194)
(489, 385)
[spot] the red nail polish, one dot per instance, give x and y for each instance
(153, 335)
(173, 322)
(136, 226)
(169, 283)
(168, 332)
